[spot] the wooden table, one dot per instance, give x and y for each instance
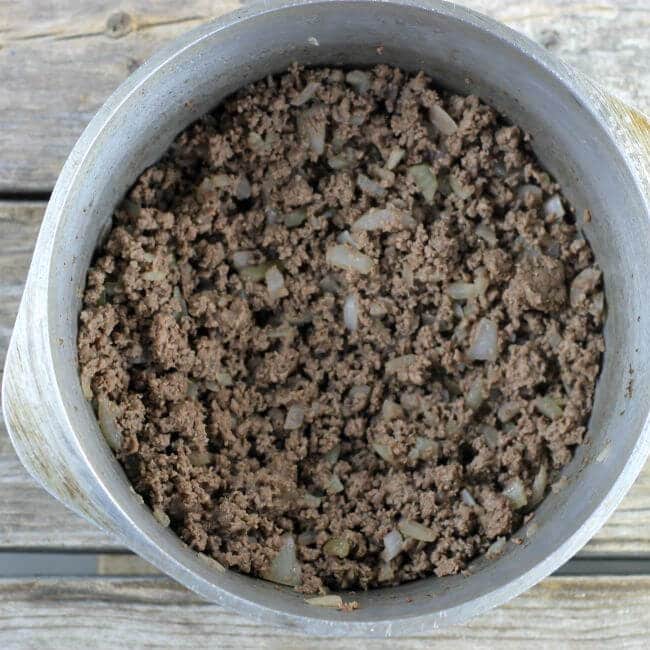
(76, 586)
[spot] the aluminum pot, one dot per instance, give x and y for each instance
(598, 148)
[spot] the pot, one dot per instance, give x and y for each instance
(598, 149)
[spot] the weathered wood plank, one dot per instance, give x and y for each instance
(59, 61)
(156, 613)
(30, 518)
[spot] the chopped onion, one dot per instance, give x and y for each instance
(475, 394)
(585, 282)
(285, 568)
(161, 517)
(423, 447)
(442, 120)
(107, 413)
(460, 190)
(241, 259)
(384, 219)
(243, 189)
(338, 546)
(549, 407)
(496, 548)
(200, 458)
(415, 530)
(484, 345)
(306, 93)
(359, 80)
(295, 218)
(312, 128)
(351, 312)
(256, 141)
(394, 158)
(344, 237)
(507, 411)
(333, 454)
(335, 486)
(386, 572)
(392, 545)
(462, 290)
(391, 410)
(400, 363)
(178, 296)
(153, 276)
(490, 434)
(426, 181)
(515, 492)
(383, 451)
(539, 485)
(342, 160)
(360, 395)
(256, 272)
(275, 283)
(330, 285)
(487, 234)
(368, 186)
(530, 194)
(283, 331)
(467, 498)
(86, 386)
(330, 600)
(192, 389)
(295, 417)
(377, 309)
(346, 258)
(554, 207)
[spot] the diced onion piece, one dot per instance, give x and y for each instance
(460, 190)
(462, 290)
(306, 93)
(178, 296)
(487, 234)
(539, 485)
(351, 312)
(584, 283)
(344, 257)
(153, 276)
(275, 283)
(442, 120)
(338, 546)
(311, 501)
(161, 517)
(377, 309)
(107, 413)
(285, 568)
(475, 394)
(422, 448)
(86, 386)
(295, 218)
(283, 331)
(335, 486)
(383, 451)
(384, 219)
(391, 410)
(200, 458)
(399, 364)
(242, 259)
(192, 389)
(392, 545)
(359, 80)
(515, 492)
(371, 187)
(530, 194)
(549, 407)
(256, 272)
(255, 141)
(330, 600)
(344, 237)
(484, 344)
(223, 378)
(490, 434)
(507, 411)
(386, 572)
(394, 158)
(554, 207)
(333, 454)
(243, 189)
(467, 498)
(496, 548)
(330, 285)
(311, 126)
(426, 181)
(295, 417)
(418, 531)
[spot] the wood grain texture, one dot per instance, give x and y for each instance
(31, 518)
(156, 613)
(60, 61)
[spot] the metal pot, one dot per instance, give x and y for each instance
(597, 147)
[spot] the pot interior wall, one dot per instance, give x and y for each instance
(460, 56)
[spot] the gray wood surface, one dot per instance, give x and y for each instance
(155, 613)
(59, 61)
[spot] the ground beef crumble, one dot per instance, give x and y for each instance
(342, 406)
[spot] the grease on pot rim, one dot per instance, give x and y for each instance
(345, 333)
